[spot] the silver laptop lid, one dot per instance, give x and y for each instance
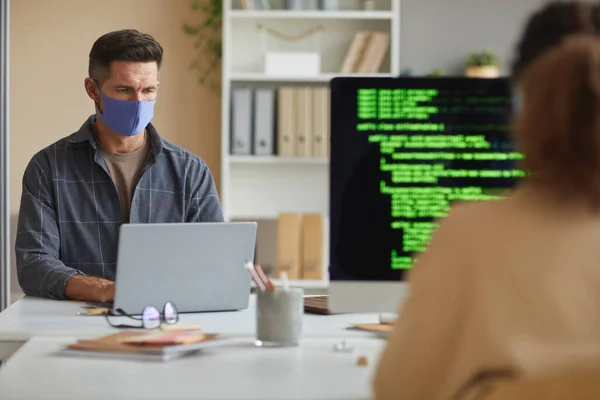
(197, 266)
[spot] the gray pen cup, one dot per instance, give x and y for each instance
(279, 315)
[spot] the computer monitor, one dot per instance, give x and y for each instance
(402, 151)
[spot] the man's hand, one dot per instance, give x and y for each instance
(90, 288)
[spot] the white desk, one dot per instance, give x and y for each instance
(30, 317)
(311, 371)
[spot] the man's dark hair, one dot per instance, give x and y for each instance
(549, 26)
(123, 45)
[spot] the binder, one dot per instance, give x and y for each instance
(315, 245)
(264, 122)
(286, 121)
(320, 122)
(304, 121)
(241, 121)
(289, 245)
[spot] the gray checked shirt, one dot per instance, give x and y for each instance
(70, 211)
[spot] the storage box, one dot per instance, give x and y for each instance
(292, 63)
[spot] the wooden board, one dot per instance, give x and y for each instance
(377, 328)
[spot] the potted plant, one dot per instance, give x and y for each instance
(482, 64)
(207, 42)
(436, 73)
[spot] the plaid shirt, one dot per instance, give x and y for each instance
(70, 211)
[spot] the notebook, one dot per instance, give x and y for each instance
(317, 305)
(112, 346)
(375, 328)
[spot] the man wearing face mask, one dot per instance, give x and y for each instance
(115, 169)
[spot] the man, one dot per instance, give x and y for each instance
(115, 169)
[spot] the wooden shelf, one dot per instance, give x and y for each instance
(259, 77)
(316, 14)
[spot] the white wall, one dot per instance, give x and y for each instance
(440, 33)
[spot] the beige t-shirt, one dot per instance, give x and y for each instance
(125, 170)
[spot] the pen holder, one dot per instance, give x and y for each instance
(279, 315)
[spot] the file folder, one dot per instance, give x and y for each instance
(304, 121)
(321, 122)
(241, 121)
(286, 122)
(264, 122)
(289, 245)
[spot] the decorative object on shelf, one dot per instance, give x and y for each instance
(436, 72)
(484, 64)
(406, 72)
(292, 63)
(368, 5)
(207, 43)
(330, 5)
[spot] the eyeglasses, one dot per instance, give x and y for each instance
(151, 317)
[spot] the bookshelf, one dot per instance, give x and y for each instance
(260, 77)
(258, 188)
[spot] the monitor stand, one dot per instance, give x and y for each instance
(366, 296)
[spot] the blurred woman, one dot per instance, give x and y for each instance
(511, 288)
(548, 27)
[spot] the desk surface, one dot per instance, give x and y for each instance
(312, 370)
(31, 317)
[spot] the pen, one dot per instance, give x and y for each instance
(284, 281)
(259, 283)
(261, 274)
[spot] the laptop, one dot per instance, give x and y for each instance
(199, 267)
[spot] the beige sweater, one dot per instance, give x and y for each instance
(510, 284)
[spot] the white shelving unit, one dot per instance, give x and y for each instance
(262, 78)
(261, 187)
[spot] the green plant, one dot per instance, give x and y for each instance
(207, 41)
(436, 72)
(484, 58)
